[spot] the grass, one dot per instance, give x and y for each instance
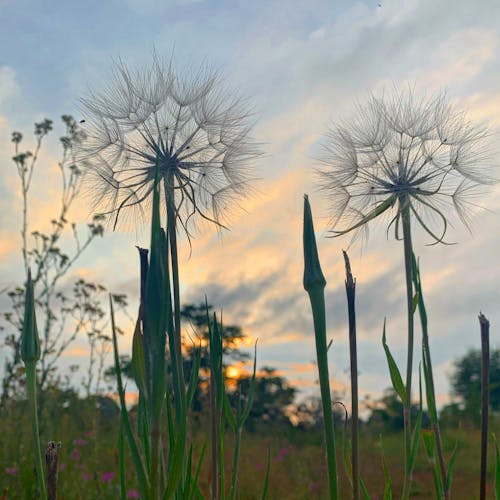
(298, 467)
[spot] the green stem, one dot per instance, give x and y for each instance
(350, 285)
(180, 403)
(236, 457)
(317, 297)
(31, 387)
(429, 378)
(408, 255)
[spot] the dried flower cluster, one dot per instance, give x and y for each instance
(191, 128)
(404, 152)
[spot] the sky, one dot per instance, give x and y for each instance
(302, 65)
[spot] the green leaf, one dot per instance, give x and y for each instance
(449, 474)
(397, 381)
(195, 488)
(416, 432)
(268, 470)
(136, 458)
(431, 401)
(176, 462)
(415, 301)
(364, 490)
(249, 402)
(193, 382)
(121, 460)
(138, 361)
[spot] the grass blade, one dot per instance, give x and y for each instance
(397, 381)
(266, 480)
(136, 458)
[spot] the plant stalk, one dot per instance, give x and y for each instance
(31, 389)
(314, 283)
(404, 208)
(485, 373)
(236, 457)
(350, 286)
(180, 404)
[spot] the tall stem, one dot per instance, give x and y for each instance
(485, 368)
(31, 388)
(408, 255)
(350, 286)
(180, 404)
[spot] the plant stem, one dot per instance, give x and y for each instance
(350, 286)
(236, 456)
(404, 208)
(213, 434)
(429, 377)
(317, 298)
(31, 388)
(485, 369)
(314, 283)
(180, 403)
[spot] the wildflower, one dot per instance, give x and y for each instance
(409, 158)
(62, 466)
(11, 471)
(133, 494)
(404, 154)
(79, 442)
(193, 130)
(107, 477)
(75, 454)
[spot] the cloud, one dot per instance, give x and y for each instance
(9, 87)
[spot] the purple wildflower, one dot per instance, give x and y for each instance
(106, 477)
(11, 471)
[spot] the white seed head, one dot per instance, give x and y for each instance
(409, 151)
(191, 127)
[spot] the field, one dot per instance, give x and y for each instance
(89, 468)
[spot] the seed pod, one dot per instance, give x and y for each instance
(313, 276)
(30, 343)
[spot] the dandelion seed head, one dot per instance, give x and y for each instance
(190, 127)
(405, 151)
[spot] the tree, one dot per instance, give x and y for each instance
(466, 383)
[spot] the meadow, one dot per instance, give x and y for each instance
(177, 149)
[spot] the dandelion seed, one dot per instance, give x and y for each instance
(190, 128)
(405, 152)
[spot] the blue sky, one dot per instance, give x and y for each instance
(302, 65)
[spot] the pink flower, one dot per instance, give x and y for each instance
(11, 471)
(62, 466)
(79, 442)
(132, 494)
(75, 454)
(106, 477)
(259, 466)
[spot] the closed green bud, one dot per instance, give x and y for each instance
(30, 343)
(313, 276)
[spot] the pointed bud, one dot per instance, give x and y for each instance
(313, 276)
(30, 343)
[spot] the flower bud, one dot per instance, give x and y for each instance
(313, 276)
(30, 343)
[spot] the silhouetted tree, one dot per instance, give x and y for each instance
(466, 383)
